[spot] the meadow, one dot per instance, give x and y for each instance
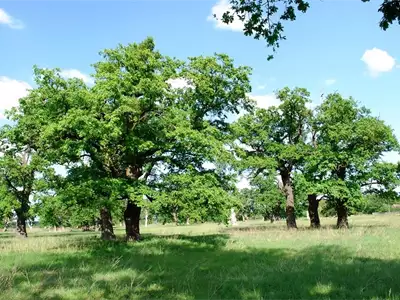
(254, 260)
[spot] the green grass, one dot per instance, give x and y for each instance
(254, 260)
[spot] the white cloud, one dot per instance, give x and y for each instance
(60, 170)
(378, 61)
(10, 21)
(265, 101)
(218, 10)
(73, 73)
(179, 83)
(209, 166)
(261, 87)
(392, 157)
(243, 183)
(330, 81)
(11, 91)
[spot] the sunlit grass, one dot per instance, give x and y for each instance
(253, 260)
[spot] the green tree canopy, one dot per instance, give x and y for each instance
(352, 142)
(274, 140)
(133, 124)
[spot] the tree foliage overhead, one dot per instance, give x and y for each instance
(265, 18)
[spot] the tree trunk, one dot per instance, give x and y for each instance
(132, 219)
(175, 217)
(341, 211)
(269, 216)
(233, 220)
(22, 215)
(21, 226)
(187, 221)
(313, 204)
(6, 224)
(288, 189)
(106, 226)
(146, 218)
(341, 208)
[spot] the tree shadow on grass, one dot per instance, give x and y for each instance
(201, 267)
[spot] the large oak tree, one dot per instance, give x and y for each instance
(133, 123)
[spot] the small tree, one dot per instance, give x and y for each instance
(21, 175)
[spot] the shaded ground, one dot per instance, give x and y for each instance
(360, 264)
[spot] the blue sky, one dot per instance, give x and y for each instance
(336, 46)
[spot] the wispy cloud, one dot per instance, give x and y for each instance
(8, 20)
(330, 81)
(74, 73)
(265, 101)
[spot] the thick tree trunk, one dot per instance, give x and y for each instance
(341, 211)
(288, 189)
(132, 219)
(313, 204)
(21, 226)
(106, 226)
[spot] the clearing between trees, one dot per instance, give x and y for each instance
(253, 260)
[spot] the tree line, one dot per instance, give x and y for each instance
(159, 134)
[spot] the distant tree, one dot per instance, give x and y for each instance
(6, 209)
(274, 140)
(247, 207)
(22, 174)
(268, 196)
(197, 196)
(265, 19)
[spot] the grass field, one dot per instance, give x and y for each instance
(254, 260)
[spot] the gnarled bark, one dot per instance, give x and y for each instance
(106, 226)
(132, 219)
(22, 214)
(342, 214)
(288, 189)
(313, 204)
(21, 226)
